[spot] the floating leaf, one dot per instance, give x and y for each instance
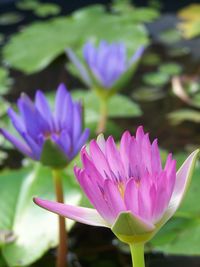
(156, 79)
(191, 26)
(170, 36)
(5, 81)
(151, 59)
(170, 68)
(1, 38)
(10, 18)
(178, 116)
(35, 229)
(44, 41)
(148, 94)
(92, 106)
(190, 12)
(48, 9)
(26, 5)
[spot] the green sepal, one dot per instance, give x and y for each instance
(52, 156)
(130, 229)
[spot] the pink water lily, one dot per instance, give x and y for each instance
(130, 190)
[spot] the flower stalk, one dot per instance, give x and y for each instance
(101, 127)
(137, 254)
(62, 247)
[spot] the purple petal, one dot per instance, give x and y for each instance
(137, 55)
(17, 143)
(81, 141)
(67, 114)
(59, 104)
(64, 142)
(43, 107)
(36, 149)
(81, 68)
(16, 120)
(79, 214)
(77, 122)
(34, 122)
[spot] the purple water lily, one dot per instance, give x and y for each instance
(37, 123)
(105, 64)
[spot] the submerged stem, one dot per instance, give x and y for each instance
(62, 247)
(101, 127)
(137, 254)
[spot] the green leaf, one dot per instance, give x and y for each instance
(178, 116)
(148, 94)
(48, 9)
(10, 18)
(191, 26)
(170, 36)
(27, 5)
(118, 106)
(156, 79)
(5, 81)
(44, 41)
(182, 239)
(35, 229)
(170, 68)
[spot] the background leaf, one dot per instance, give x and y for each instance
(44, 41)
(35, 229)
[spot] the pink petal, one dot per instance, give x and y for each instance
(183, 179)
(101, 142)
(95, 194)
(146, 153)
(99, 159)
(114, 160)
(139, 134)
(131, 196)
(125, 151)
(79, 214)
(113, 197)
(155, 158)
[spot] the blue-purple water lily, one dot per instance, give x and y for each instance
(104, 65)
(36, 124)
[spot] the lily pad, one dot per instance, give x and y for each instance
(151, 59)
(170, 36)
(5, 81)
(157, 79)
(148, 94)
(1, 38)
(170, 68)
(28, 5)
(92, 106)
(35, 230)
(44, 41)
(191, 25)
(48, 9)
(178, 116)
(10, 18)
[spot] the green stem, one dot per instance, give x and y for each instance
(62, 247)
(101, 127)
(137, 254)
